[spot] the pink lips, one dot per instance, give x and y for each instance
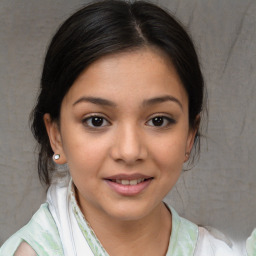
(128, 185)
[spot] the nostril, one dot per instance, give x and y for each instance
(128, 145)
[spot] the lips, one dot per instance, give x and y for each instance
(129, 182)
(129, 185)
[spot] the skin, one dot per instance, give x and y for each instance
(127, 142)
(25, 250)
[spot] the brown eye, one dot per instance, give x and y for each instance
(95, 121)
(160, 121)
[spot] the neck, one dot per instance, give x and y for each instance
(147, 236)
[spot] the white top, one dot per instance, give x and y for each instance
(59, 228)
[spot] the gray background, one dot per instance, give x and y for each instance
(220, 191)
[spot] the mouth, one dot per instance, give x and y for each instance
(127, 182)
(129, 185)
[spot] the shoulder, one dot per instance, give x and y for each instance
(25, 250)
(40, 233)
(188, 238)
(251, 244)
(213, 243)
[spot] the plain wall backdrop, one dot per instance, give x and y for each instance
(220, 190)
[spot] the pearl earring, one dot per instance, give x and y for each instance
(187, 154)
(56, 156)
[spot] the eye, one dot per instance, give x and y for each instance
(160, 121)
(95, 121)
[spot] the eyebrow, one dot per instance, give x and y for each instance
(95, 100)
(105, 102)
(162, 99)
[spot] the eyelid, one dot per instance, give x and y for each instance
(96, 114)
(162, 114)
(99, 115)
(169, 119)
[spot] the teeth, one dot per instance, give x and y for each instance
(125, 182)
(133, 182)
(129, 182)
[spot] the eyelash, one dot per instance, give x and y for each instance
(103, 122)
(167, 121)
(86, 121)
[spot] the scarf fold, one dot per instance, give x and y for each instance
(79, 239)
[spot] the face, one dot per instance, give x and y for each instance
(124, 132)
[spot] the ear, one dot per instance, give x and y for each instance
(55, 138)
(191, 137)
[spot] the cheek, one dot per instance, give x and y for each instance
(84, 153)
(169, 150)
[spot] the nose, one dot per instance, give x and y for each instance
(128, 145)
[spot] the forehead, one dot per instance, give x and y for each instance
(137, 74)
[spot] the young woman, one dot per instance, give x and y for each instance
(120, 103)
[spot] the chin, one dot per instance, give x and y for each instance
(131, 211)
